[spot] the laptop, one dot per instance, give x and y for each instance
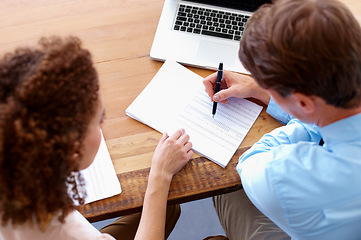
(203, 33)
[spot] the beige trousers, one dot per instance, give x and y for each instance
(241, 220)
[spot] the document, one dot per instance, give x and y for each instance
(175, 98)
(100, 177)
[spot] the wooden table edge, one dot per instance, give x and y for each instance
(199, 179)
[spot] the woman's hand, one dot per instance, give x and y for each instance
(171, 154)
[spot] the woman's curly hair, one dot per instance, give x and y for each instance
(48, 96)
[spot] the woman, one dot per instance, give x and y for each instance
(51, 113)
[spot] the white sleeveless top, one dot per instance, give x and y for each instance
(75, 227)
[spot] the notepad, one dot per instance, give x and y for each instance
(100, 177)
(175, 98)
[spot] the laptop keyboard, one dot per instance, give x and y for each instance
(204, 21)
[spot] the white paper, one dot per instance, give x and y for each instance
(175, 98)
(100, 177)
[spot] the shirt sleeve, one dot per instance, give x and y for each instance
(276, 112)
(260, 192)
(294, 132)
(254, 164)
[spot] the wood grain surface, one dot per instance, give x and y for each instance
(200, 178)
(119, 34)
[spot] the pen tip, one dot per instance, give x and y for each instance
(220, 66)
(212, 115)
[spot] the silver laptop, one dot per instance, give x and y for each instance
(203, 33)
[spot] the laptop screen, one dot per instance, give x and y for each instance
(247, 5)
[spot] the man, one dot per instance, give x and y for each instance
(303, 178)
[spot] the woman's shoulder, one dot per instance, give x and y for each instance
(75, 227)
(79, 228)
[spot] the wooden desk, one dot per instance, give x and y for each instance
(120, 34)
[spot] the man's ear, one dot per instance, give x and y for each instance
(305, 103)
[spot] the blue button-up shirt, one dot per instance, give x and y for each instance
(309, 191)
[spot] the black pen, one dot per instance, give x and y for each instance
(218, 86)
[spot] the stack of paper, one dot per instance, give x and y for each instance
(175, 98)
(100, 177)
